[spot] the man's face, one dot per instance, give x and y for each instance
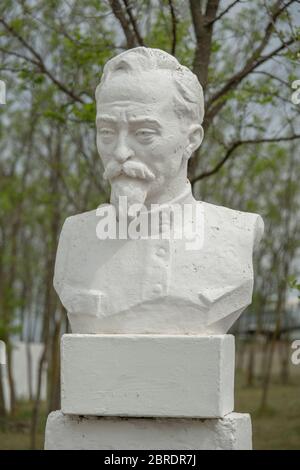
(140, 138)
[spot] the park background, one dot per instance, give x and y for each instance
(246, 56)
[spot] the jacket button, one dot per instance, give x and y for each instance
(161, 252)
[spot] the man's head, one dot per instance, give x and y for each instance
(149, 114)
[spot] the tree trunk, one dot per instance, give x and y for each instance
(251, 363)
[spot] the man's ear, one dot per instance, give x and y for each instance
(195, 138)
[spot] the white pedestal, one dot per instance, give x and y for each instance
(90, 433)
(148, 376)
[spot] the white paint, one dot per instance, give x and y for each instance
(147, 375)
(149, 115)
(128, 286)
(90, 433)
(150, 300)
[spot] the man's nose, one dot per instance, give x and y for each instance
(123, 151)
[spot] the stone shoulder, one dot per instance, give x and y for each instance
(74, 220)
(240, 219)
(74, 228)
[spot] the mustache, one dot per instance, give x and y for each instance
(131, 169)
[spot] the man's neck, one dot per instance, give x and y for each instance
(179, 194)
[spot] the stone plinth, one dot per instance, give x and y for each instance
(148, 375)
(95, 433)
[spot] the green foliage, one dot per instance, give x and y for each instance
(294, 283)
(86, 112)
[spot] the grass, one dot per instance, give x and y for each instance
(277, 428)
(15, 431)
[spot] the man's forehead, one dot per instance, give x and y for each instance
(114, 114)
(131, 109)
(149, 87)
(136, 112)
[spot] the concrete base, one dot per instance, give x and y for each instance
(83, 433)
(147, 375)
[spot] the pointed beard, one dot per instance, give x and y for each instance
(134, 189)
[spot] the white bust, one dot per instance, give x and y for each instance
(149, 115)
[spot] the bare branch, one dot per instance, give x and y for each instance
(20, 56)
(39, 61)
(121, 17)
(252, 63)
(203, 29)
(273, 77)
(236, 79)
(197, 17)
(133, 23)
(237, 144)
(174, 27)
(223, 12)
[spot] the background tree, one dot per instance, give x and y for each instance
(52, 53)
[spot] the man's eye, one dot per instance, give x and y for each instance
(145, 133)
(105, 132)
